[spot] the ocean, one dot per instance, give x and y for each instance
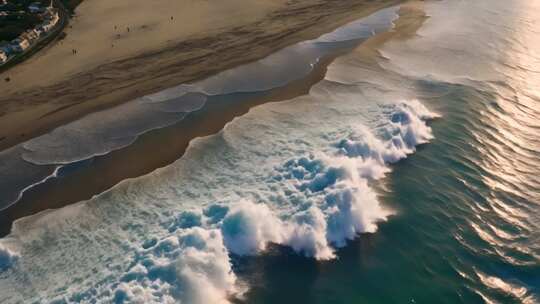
(409, 174)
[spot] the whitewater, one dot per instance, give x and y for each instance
(299, 173)
(284, 174)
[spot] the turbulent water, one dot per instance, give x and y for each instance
(409, 174)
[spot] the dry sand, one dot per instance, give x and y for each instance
(113, 65)
(104, 31)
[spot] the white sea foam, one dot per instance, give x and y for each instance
(7, 257)
(296, 173)
(17, 176)
(248, 228)
(167, 238)
(191, 266)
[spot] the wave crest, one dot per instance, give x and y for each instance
(7, 257)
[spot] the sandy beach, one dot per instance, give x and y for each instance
(127, 49)
(108, 170)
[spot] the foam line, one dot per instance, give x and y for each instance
(102, 132)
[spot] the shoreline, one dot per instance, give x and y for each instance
(103, 172)
(27, 113)
(106, 171)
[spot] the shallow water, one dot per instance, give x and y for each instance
(406, 177)
(33, 162)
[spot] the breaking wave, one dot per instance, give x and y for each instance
(7, 257)
(299, 174)
(179, 238)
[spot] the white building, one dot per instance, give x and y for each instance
(20, 45)
(50, 23)
(30, 35)
(3, 57)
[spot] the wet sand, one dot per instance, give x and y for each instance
(165, 145)
(55, 87)
(168, 144)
